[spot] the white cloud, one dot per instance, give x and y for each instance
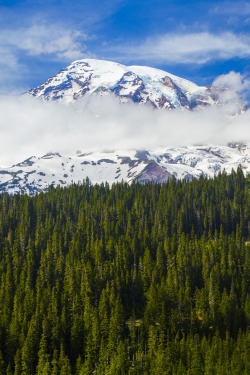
(29, 126)
(237, 87)
(194, 48)
(234, 81)
(53, 40)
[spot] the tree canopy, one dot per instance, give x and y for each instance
(127, 279)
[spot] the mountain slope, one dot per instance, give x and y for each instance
(139, 84)
(36, 174)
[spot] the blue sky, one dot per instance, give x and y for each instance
(195, 40)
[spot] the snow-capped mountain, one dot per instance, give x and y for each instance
(37, 173)
(142, 85)
(139, 84)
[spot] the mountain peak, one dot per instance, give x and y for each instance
(139, 84)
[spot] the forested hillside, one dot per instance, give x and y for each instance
(140, 279)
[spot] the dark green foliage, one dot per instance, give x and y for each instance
(140, 279)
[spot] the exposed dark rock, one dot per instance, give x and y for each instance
(164, 103)
(128, 160)
(135, 95)
(26, 163)
(105, 161)
(153, 172)
(142, 155)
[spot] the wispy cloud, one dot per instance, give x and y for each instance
(10, 69)
(240, 8)
(187, 48)
(53, 40)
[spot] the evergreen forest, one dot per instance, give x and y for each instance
(127, 279)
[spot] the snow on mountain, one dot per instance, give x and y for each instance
(37, 173)
(142, 85)
(139, 84)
